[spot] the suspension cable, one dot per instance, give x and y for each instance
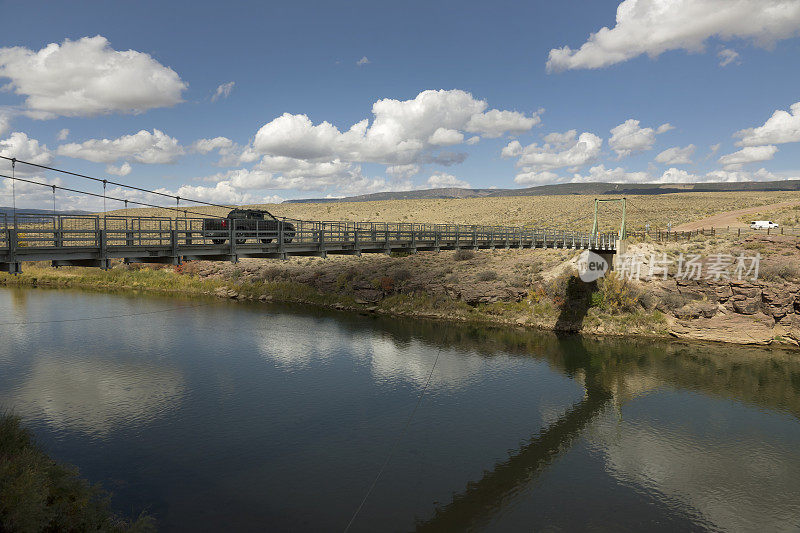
(166, 195)
(144, 204)
(397, 440)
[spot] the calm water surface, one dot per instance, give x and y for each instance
(221, 416)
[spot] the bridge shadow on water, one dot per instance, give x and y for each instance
(577, 301)
(613, 370)
(482, 499)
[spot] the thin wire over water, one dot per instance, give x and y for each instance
(394, 446)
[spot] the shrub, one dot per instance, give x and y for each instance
(387, 284)
(556, 288)
(402, 274)
(464, 255)
(38, 494)
(519, 281)
(647, 300)
(189, 268)
(774, 272)
(615, 294)
(486, 275)
(272, 273)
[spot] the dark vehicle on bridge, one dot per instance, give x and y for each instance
(254, 224)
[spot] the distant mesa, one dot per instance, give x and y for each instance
(10, 210)
(594, 189)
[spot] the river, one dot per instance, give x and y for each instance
(214, 415)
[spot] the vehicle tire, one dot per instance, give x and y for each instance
(241, 241)
(218, 241)
(287, 240)
(266, 241)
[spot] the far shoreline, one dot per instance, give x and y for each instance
(169, 282)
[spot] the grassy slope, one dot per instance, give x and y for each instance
(542, 211)
(38, 494)
(425, 285)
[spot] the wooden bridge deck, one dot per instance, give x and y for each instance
(95, 240)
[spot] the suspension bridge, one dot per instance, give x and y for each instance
(97, 240)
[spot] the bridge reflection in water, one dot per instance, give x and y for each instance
(758, 377)
(300, 406)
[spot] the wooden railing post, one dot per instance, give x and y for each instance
(12, 245)
(103, 245)
(173, 237)
(232, 239)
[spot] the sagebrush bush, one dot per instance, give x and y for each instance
(464, 255)
(486, 275)
(402, 274)
(615, 294)
(556, 288)
(387, 284)
(774, 272)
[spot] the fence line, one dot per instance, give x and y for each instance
(670, 235)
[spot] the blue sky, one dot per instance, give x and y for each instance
(143, 87)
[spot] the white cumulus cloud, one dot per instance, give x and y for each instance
(204, 146)
(727, 56)
(537, 163)
(223, 91)
(87, 77)
(761, 174)
(561, 140)
(676, 155)
(223, 192)
(445, 137)
(142, 147)
(401, 132)
(441, 180)
(629, 137)
(537, 178)
(581, 151)
(122, 170)
(748, 154)
(600, 174)
(402, 172)
(20, 146)
(62, 135)
(5, 123)
(495, 123)
(655, 26)
(292, 151)
(781, 127)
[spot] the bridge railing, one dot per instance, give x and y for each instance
(75, 231)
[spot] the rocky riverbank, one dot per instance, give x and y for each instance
(528, 288)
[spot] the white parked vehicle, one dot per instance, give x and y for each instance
(763, 224)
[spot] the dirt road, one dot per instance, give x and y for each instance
(731, 218)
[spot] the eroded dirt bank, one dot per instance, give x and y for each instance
(536, 288)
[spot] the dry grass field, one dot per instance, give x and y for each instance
(571, 211)
(787, 216)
